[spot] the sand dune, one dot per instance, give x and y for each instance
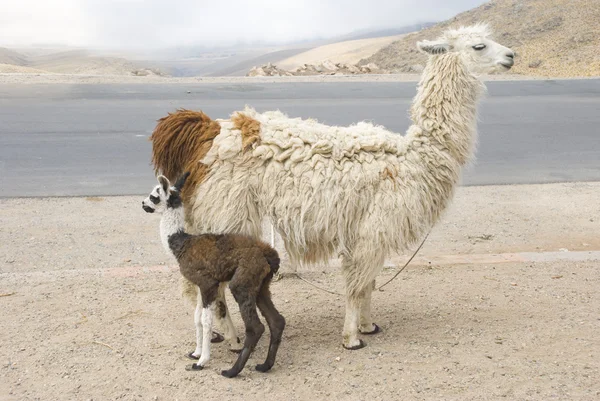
(348, 52)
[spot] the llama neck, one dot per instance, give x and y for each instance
(444, 111)
(440, 141)
(172, 222)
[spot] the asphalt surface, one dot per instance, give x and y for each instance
(68, 140)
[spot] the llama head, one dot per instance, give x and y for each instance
(480, 53)
(165, 196)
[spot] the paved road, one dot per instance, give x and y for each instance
(64, 140)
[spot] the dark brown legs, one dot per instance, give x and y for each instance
(254, 328)
(276, 324)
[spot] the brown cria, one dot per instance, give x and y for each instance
(248, 265)
(249, 127)
(209, 260)
(179, 141)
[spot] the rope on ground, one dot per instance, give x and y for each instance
(403, 267)
(378, 288)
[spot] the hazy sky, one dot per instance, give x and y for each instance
(162, 23)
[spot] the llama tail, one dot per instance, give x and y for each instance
(272, 258)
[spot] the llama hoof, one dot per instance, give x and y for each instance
(263, 367)
(361, 344)
(228, 373)
(235, 350)
(192, 356)
(217, 338)
(376, 330)
(193, 367)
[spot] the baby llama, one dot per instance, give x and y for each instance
(210, 260)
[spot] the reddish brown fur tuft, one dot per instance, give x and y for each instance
(179, 141)
(249, 127)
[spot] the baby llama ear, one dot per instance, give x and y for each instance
(164, 183)
(433, 47)
(181, 181)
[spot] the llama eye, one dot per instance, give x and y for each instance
(154, 199)
(479, 47)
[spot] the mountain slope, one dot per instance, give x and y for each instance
(8, 56)
(559, 38)
(347, 52)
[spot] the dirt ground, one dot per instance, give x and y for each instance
(501, 303)
(29, 78)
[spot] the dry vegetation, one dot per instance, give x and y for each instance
(557, 38)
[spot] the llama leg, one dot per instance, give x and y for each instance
(207, 321)
(206, 299)
(190, 292)
(224, 320)
(350, 333)
(276, 324)
(198, 322)
(254, 328)
(359, 271)
(353, 302)
(366, 323)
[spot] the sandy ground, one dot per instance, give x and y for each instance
(501, 303)
(24, 78)
(17, 69)
(347, 52)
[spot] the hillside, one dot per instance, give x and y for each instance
(19, 69)
(35, 61)
(557, 38)
(347, 52)
(8, 56)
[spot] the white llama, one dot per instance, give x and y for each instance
(362, 190)
(208, 260)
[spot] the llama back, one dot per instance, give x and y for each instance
(324, 188)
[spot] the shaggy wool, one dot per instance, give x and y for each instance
(360, 190)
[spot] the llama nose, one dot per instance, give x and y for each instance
(511, 55)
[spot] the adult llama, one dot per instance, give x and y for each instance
(359, 191)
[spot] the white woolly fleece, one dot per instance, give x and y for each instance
(360, 190)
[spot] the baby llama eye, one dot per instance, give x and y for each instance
(479, 47)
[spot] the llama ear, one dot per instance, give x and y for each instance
(433, 47)
(164, 183)
(181, 181)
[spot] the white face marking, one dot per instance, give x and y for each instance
(481, 54)
(156, 201)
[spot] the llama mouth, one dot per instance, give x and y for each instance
(147, 209)
(507, 66)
